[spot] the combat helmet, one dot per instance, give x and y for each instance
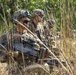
(38, 12)
(51, 22)
(20, 14)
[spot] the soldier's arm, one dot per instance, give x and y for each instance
(3, 43)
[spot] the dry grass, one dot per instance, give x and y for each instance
(56, 71)
(3, 69)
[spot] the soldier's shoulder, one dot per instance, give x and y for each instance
(4, 36)
(30, 23)
(13, 30)
(31, 26)
(45, 27)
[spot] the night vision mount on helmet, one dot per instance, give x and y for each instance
(20, 14)
(38, 12)
(51, 21)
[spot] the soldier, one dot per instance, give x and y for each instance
(48, 33)
(37, 17)
(14, 34)
(49, 36)
(16, 46)
(52, 38)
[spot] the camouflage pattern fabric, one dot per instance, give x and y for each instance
(50, 38)
(11, 38)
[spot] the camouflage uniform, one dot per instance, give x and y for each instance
(36, 15)
(18, 45)
(7, 40)
(33, 26)
(49, 36)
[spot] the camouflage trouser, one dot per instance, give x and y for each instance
(37, 69)
(15, 69)
(18, 68)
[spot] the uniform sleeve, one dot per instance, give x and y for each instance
(27, 36)
(3, 39)
(32, 28)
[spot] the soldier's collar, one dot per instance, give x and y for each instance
(15, 30)
(34, 24)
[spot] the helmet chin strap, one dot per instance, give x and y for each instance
(36, 20)
(20, 28)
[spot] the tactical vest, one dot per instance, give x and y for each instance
(13, 41)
